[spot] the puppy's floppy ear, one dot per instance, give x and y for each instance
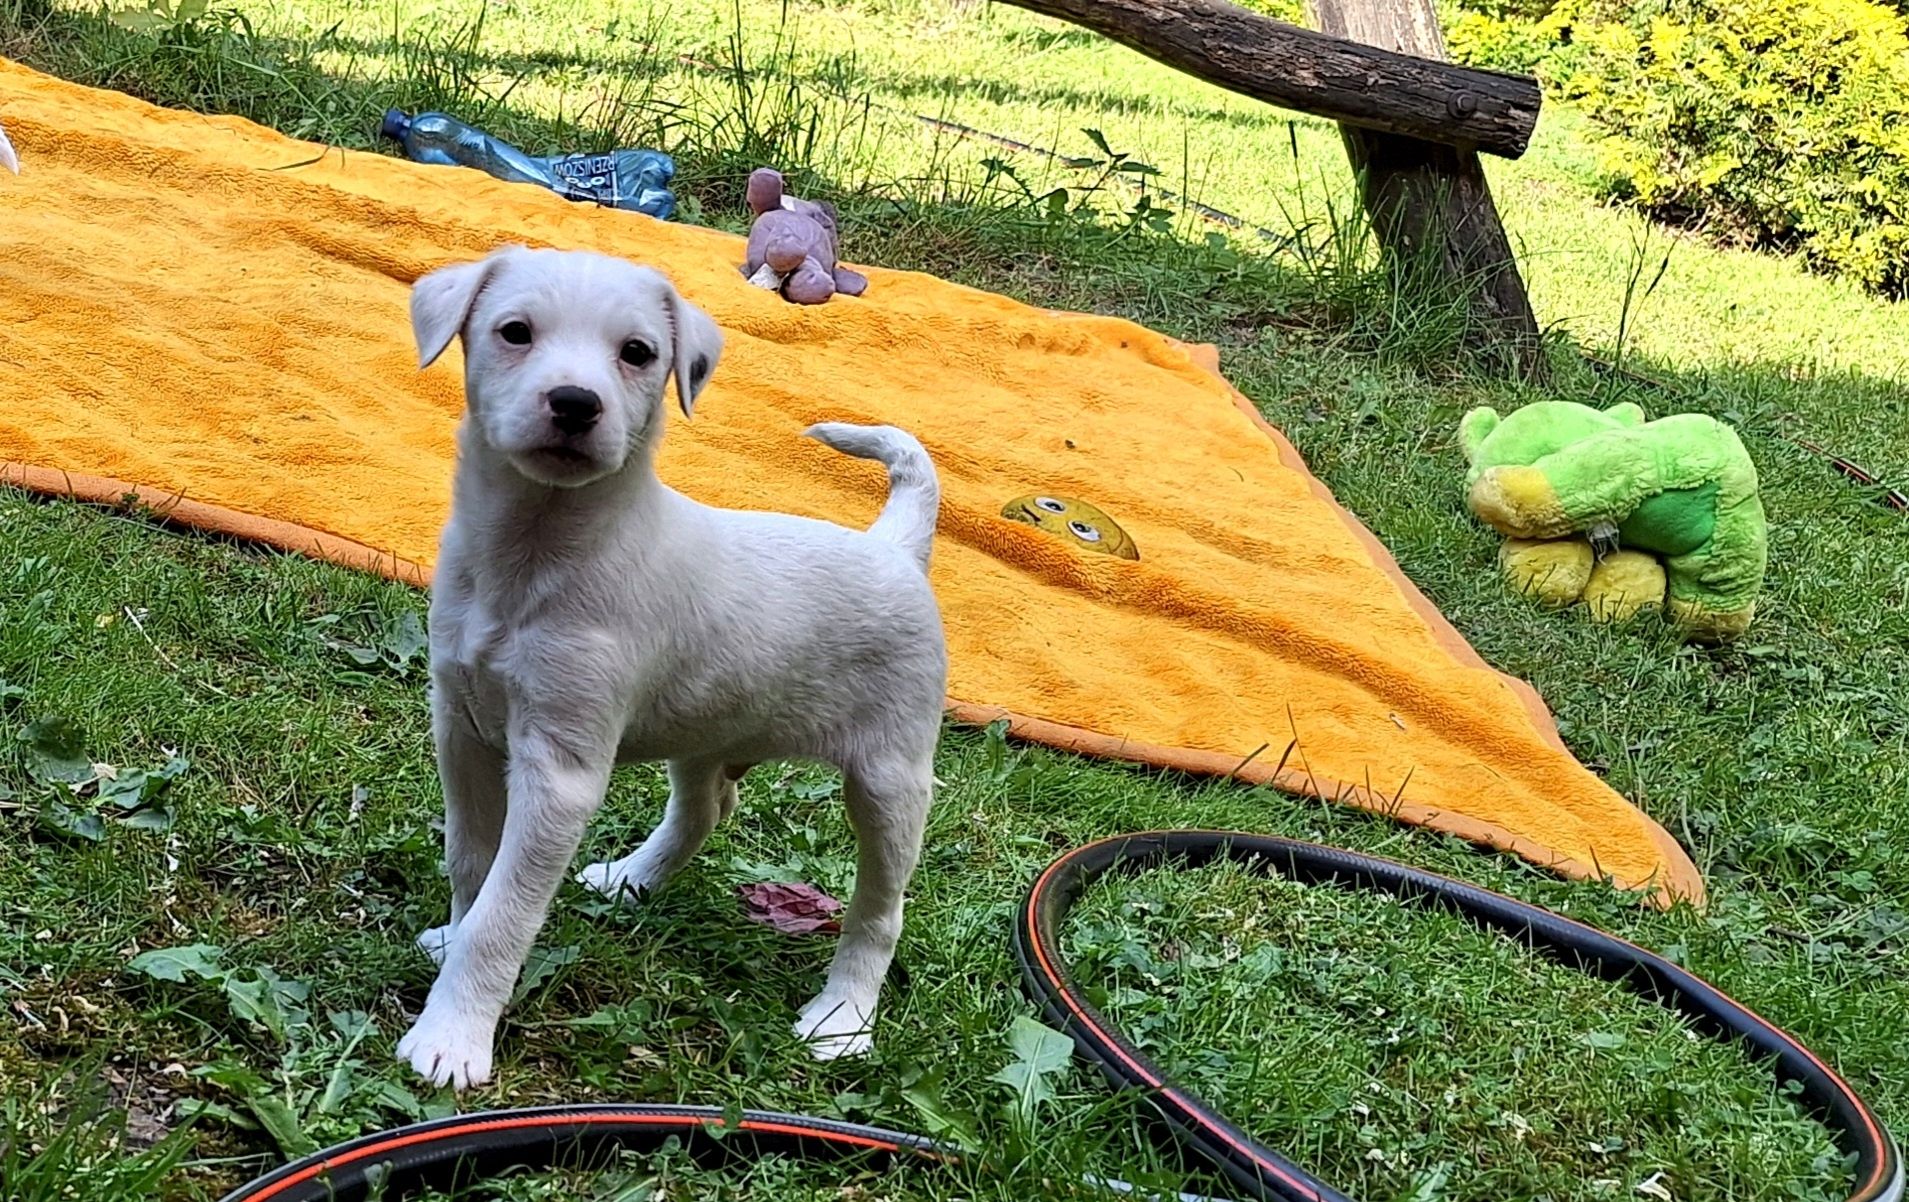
(442, 300)
(697, 343)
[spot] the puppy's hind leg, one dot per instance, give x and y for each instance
(472, 775)
(700, 795)
(732, 777)
(888, 806)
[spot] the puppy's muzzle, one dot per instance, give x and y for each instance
(573, 410)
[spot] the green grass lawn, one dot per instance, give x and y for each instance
(1395, 1053)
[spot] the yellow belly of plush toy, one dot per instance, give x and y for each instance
(1563, 571)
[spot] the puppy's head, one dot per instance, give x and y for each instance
(567, 355)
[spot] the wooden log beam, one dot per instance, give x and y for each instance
(1333, 77)
(1430, 205)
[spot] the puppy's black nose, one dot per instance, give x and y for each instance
(574, 410)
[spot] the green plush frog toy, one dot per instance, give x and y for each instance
(1564, 481)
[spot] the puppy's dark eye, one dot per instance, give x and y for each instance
(516, 333)
(637, 353)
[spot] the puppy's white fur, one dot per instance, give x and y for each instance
(584, 614)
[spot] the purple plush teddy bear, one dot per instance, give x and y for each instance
(792, 244)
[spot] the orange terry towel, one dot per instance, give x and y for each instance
(217, 314)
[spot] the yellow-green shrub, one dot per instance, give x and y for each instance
(1779, 121)
(1501, 43)
(1293, 12)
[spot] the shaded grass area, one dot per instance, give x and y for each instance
(302, 847)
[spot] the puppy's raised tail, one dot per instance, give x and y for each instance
(914, 493)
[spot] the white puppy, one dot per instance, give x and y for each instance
(585, 614)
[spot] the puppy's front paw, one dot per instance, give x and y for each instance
(834, 1027)
(436, 943)
(620, 880)
(454, 1051)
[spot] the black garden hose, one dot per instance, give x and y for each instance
(450, 1151)
(1264, 1174)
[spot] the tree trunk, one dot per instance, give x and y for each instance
(1430, 206)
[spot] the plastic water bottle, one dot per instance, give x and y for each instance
(623, 179)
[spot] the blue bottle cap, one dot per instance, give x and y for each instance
(395, 125)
